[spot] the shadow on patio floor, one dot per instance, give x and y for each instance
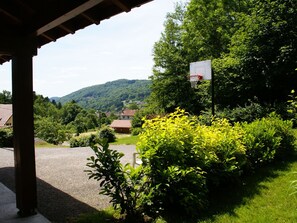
(53, 203)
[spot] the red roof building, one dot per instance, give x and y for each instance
(5, 115)
(127, 114)
(121, 126)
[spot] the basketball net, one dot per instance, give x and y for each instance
(194, 78)
(193, 84)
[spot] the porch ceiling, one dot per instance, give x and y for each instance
(49, 20)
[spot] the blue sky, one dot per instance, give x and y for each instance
(120, 47)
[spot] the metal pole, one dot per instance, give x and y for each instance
(212, 95)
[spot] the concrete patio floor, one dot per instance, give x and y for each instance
(8, 210)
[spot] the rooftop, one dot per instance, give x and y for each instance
(121, 124)
(5, 113)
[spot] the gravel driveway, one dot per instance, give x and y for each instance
(64, 189)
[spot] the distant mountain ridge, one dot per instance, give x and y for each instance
(109, 96)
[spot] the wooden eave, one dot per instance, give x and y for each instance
(49, 20)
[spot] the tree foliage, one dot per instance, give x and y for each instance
(262, 58)
(252, 45)
(51, 131)
(54, 122)
(5, 97)
(208, 27)
(170, 86)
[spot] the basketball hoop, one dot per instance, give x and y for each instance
(201, 71)
(194, 78)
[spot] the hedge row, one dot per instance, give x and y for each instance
(184, 158)
(83, 141)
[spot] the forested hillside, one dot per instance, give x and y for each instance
(109, 96)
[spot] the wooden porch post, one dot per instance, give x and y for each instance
(23, 127)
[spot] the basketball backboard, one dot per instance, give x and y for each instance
(200, 70)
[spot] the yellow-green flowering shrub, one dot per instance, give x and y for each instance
(183, 155)
(183, 161)
(166, 149)
(222, 149)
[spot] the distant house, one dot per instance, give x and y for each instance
(5, 115)
(124, 124)
(121, 126)
(127, 114)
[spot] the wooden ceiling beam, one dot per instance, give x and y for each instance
(13, 18)
(48, 37)
(92, 20)
(65, 28)
(121, 5)
(69, 15)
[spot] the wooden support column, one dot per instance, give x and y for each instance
(23, 127)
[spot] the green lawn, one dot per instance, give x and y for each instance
(125, 140)
(264, 196)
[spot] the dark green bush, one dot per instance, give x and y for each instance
(127, 187)
(267, 139)
(261, 142)
(248, 113)
(82, 141)
(136, 131)
(6, 137)
(284, 130)
(51, 131)
(107, 133)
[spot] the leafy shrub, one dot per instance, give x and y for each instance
(166, 149)
(6, 137)
(51, 131)
(261, 142)
(247, 113)
(136, 131)
(267, 139)
(107, 133)
(221, 146)
(128, 187)
(183, 161)
(82, 141)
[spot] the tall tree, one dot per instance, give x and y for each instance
(170, 85)
(5, 97)
(69, 112)
(209, 25)
(43, 107)
(263, 55)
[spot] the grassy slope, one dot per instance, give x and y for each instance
(263, 197)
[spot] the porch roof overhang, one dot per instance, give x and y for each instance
(26, 25)
(49, 20)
